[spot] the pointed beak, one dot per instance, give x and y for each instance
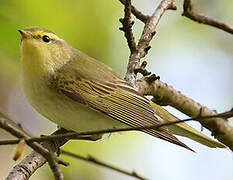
(24, 34)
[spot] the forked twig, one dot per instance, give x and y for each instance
(137, 13)
(144, 41)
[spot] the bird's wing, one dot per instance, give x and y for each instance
(115, 99)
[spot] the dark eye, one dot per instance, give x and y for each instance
(46, 39)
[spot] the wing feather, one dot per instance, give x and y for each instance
(117, 100)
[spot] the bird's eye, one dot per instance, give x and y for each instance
(46, 39)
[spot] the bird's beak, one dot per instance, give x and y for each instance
(24, 34)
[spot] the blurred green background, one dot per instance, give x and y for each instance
(195, 59)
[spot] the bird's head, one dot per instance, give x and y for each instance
(42, 51)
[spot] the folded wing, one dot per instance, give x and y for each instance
(115, 99)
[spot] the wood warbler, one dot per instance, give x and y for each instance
(78, 92)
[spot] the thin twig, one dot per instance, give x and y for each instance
(74, 135)
(44, 138)
(137, 13)
(100, 163)
(58, 175)
(149, 28)
(127, 26)
(9, 142)
(188, 12)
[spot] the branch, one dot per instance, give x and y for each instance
(188, 12)
(100, 163)
(35, 160)
(144, 41)
(51, 158)
(166, 95)
(32, 162)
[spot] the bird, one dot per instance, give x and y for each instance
(78, 92)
